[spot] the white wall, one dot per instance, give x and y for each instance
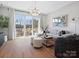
(43, 21)
(71, 10)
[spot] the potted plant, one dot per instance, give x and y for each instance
(45, 31)
(4, 21)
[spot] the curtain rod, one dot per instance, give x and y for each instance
(21, 10)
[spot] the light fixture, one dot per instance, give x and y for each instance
(35, 11)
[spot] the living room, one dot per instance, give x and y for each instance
(39, 29)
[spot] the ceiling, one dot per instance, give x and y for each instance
(44, 7)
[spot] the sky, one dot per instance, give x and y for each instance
(23, 19)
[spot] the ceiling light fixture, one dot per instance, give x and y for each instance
(35, 11)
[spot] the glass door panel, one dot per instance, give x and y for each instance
(19, 26)
(35, 26)
(19, 30)
(28, 30)
(28, 25)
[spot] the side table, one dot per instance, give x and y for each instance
(48, 41)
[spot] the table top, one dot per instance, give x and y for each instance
(48, 37)
(37, 38)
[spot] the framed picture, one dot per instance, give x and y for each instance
(60, 21)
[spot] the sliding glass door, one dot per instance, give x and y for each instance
(26, 25)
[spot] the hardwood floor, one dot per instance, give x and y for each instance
(22, 48)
